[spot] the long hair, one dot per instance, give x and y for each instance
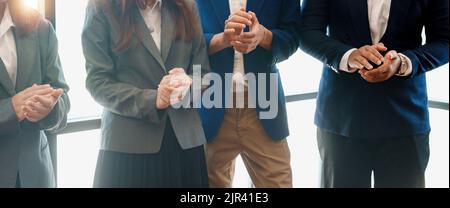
(125, 17)
(26, 19)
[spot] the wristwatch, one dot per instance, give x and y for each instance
(403, 66)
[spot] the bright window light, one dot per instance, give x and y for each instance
(31, 3)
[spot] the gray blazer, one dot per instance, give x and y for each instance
(23, 145)
(125, 83)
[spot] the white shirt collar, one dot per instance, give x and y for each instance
(7, 22)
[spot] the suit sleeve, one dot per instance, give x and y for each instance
(313, 34)
(200, 49)
(117, 97)
(435, 52)
(285, 40)
(8, 118)
(57, 119)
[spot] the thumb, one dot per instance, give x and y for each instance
(381, 47)
(392, 55)
(57, 93)
(254, 18)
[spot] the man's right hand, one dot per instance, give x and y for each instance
(234, 26)
(361, 58)
(20, 99)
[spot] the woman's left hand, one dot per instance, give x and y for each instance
(39, 106)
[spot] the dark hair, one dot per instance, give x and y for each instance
(26, 19)
(180, 9)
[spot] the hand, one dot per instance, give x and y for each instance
(235, 25)
(164, 92)
(39, 106)
(20, 98)
(385, 71)
(248, 41)
(181, 83)
(359, 59)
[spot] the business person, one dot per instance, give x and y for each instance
(33, 96)
(248, 37)
(132, 48)
(372, 112)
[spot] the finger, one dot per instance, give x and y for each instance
(36, 87)
(57, 93)
(243, 48)
(242, 13)
(253, 17)
(375, 56)
(175, 83)
(239, 44)
(380, 47)
(392, 55)
(364, 62)
(355, 65)
(46, 102)
(165, 99)
(248, 35)
(44, 91)
(32, 115)
(167, 89)
(371, 57)
(229, 31)
(236, 26)
(165, 80)
(240, 19)
(38, 107)
(243, 40)
(176, 71)
(363, 71)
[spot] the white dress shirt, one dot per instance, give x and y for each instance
(238, 68)
(8, 50)
(379, 11)
(152, 18)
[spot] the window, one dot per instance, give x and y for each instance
(69, 26)
(77, 152)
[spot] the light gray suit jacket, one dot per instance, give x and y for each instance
(23, 145)
(126, 83)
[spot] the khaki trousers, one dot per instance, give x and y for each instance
(267, 161)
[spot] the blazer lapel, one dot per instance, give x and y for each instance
(255, 6)
(360, 18)
(398, 14)
(26, 59)
(167, 30)
(5, 80)
(222, 10)
(147, 40)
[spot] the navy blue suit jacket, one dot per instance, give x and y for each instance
(348, 105)
(279, 16)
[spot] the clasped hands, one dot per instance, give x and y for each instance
(374, 67)
(36, 102)
(234, 35)
(173, 88)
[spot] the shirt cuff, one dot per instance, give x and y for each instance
(406, 70)
(343, 66)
